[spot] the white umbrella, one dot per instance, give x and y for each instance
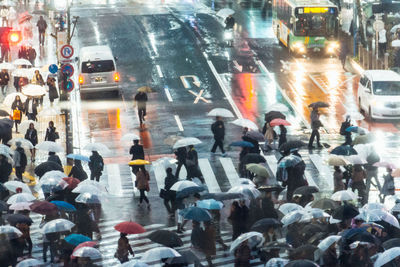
(292, 217)
(93, 183)
(130, 137)
(134, 263)
(327, 242)
(10, 232)
(21, 206)
(52, 183)
(53, 174)
(374, 206)
(314, 213)
(245, 123)
(6, 66)
(276, 262)
(58, 225)
(396, 43)
(186, 142)
(355, 159)
(24, 143)
(88, 189)
(33, 90)
(21, 197)
(253, 239)
(220, 112)
(22, 73)
(5, 150)
(13, 185)
(250, 191)
(30, 263)
(99, 147)
(87, 252)
(180, 185)
(9, 99)
(289, 207)
(225, 12)
(50, 147)
(278, 107)
(49, 112)
(368, 216)
(165, 162)
(88, 198)
(390, 219)
(156, 254)
(387, 256)
(22, 62)
(394, 28)
(344, 195)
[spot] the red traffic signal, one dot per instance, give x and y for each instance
(14, 37)
(9, 36)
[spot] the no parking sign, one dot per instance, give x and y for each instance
(67, 51)
(67, 69)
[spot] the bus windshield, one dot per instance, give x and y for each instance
(324, 25)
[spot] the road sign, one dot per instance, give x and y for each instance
(67, 69)
(378, 25)
(70, 85)
(61, 41)
(53, 68)
(67, 51)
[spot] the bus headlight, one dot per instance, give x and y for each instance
(333, 47)
(299, 47)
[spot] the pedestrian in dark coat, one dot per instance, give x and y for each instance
(5, 169)
(197, 236)
(96, 166)
(19, 160)
(51, 134)
(17, 108)
(142, 184)
(282, 135)
(141, 99)
(209, 242)
(216, 220)
(77, 171)
(54, 158)
(343, 53)
(31, 136)
(123, 249)
(238, 218)
(218, 130)
(31, 52)
(295, 179)
(242, 255)
(329, 257)
(83, 220)
(358, 176)
(388, 188)
(169, 197)
(338, 184)
(137, 152)
(5, 50)
(42, 26)
(31, 108)
(181, 155)
(53, 92)
(315, 124)
(192, 163)
(4, 79)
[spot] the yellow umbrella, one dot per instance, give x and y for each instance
(145, 89)
(138, 162)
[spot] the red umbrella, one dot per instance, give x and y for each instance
(385, 164)
(276, 122)
(72, 182)
(44, 207)
(84, 244)
(129, 228)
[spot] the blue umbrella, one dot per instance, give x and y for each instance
(195, 214)
(210, 204)
(242, 144)
(344, 150)
(76, 239)
(64, 206)
(290, 161)
(189, 191)
(78, 157)
(356, 129)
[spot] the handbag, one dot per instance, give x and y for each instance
(56, 135)
(163, 193)
(17, 115)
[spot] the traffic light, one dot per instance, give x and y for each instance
(9, 36)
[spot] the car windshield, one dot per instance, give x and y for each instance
(98, 66)
(386, 88)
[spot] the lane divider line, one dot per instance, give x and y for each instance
(168, 94)
(159, 71)
(178, 122)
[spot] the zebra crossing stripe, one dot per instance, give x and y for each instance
(272, 163)
(114, 179)
(230, 171)
(209, 177)
(325, 173)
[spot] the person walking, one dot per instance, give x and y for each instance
(37, 78)
(5, 51)
(137, 152)
(54, 158)
(344, 50)
(42, 26)
(77, 171)
(242, 255)
(20, 161)
(229, 22)
(50, 241)
(269, 136)
(238, 219)
(4, 79)
(31, 136)
(169, 195)
(53, 92)
(295, 179)
(197, 236)
(51, 134)
(358, 184)
(142, 184)
(347, 134)
(31, 57)
(338, 184)
(192, 163)
(315, 124)
(4, 14)
(181, 155)
(5, 169)
(141, 99)
(31, 108)
(382, 42)
(96, 166)
(209, 242)
(123, 249)
(282, 135)
(388, 187)
(17, 107)
(218, 130)
(216, 221)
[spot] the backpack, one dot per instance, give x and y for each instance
(343, 127)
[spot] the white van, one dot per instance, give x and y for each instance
(379, 94)
(97, 69)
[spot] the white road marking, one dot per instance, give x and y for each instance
(198, 96)
(230, 171)
(272, 163)
(159, 71)
(159, 173)
(324, 171)
(114, 179)
(168, 94)
(178, 122)
(209, 177)
(239, 67)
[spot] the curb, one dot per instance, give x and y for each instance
(355, 67)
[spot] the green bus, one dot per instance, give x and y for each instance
(306, 25)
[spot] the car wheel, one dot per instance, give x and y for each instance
(370, 114)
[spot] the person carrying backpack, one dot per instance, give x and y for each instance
(346, 124)
(96, 166)
(20, 160)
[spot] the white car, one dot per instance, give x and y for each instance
(379, 94)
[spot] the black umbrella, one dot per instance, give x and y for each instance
(187, 257)
(310, 229)
(344, 150)
(325, 204)
(166, 238)
(47, 166)
(391, 243)
(303, 252)
(270, 188)
(253, 158)
(345, 212)
(3, 206)
(319, 104)
(269, 116)
(13, 219)
(363, 237)
(6, 123)
(316, 238)
(3, 113)
(223, 196)
(305, 190)
(3, 188)
(286, 147)
(302, 263)
(264, 224)
(277, 245)
(255, 135)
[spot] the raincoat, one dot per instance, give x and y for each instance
(142, 180)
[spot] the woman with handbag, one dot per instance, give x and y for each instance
(142, 184)
(17, 109)
(315, 124)
(51, 134)
(31, 135)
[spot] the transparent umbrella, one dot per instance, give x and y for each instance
(13, 185)
(253, 238)
(22, 62)
(245, 123)
(58, 225)
(24, 142)
(387, 256)
(187, 141)
(327, 242)
(247, 190)
(9, 99)
(159, 253)
(99, 147)
(88, 198)
(87, 252)
(53, 174)
(344, 195)
(220, 112)
(130, 137)
(50, 147)
(33, 90)
(30, 263)
(289, 207)
(10, 232)
(20, 197)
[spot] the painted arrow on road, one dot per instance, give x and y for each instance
(237, 66)
(196, 81)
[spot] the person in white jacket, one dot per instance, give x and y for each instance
(4, 14)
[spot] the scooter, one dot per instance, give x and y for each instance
(228, 36)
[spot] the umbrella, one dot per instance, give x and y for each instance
(13, 219)
(253, 158)
(187, 141)
(245, 123)
(26, 73)
(210, 204)
(390, 219)
(195, 214)
(385, 164)
(64, 206)
(172, 139)
(253, 238)
(394, 28)
(289, 207)
(58, 225)
(357, 129)
(165, 238)
(344, 195)
(76, 239)
(290, 161)
(344, 150)
(24, 143)
(3, 206)
(328, 241)
(246, 181)
(373, 157)
(319, 104)
(278, 122)
(269, 116)
(52, 184)
(391, 243)
(225, 12)
(276, 262)
(220, 112)
(20, 197)
(87, 252)
(6, 66)
(373, 206)
(180, 185)
(24, 17)
(13, 185)
(292, 217)
(21, 206)
(255, 135)
(9, 99)
(257, 169)
(249, 191)
(33, 90)
(30, 263)
(99, 147)
(292, 145)
(22, 62)
(84, 244)
(130, 137)
(10, 232)
(301, 263)
(129, 227)
(78, 157)
(364, 139)
(4, 113)
(264, 224)
(324, 204)
(387, 256)
(241, 144)
(306, 190)
(88, 198)
(277, 245)
(53, 174)
(187, 257)
(93, 183)
(156, 254)
(395, 43)
(88, 188)
(337, 161)
(278, 107)
(370, 215)
(134, 263)
(138, 162)
(345, 212)
(44, 207)
(223, 196)
(50, 147)
(362, 236)
(270, 188)
(355, 160)
(145, 89)
(396, 172)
